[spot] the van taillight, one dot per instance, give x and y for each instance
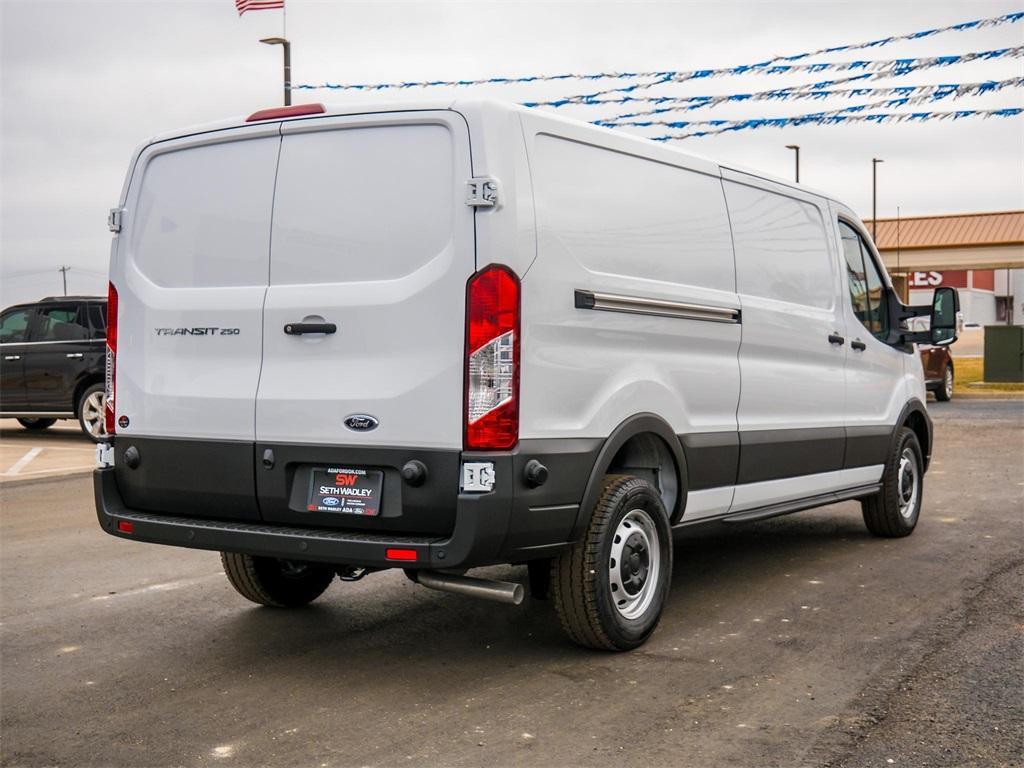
(492, 360)
(108, 411)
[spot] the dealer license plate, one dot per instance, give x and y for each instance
(350, 490)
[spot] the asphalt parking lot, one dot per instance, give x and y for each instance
(58, 451)
(795, 641)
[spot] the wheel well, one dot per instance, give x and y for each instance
(646, 456)
(83, 385)
(916, 421)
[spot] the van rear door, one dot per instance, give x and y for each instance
(364, 321)
(190, 266)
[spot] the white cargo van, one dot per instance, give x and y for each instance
(442, 336)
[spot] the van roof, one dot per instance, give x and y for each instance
(475, 105)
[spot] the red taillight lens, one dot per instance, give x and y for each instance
(400, 554)
(492, 360)
(109, 386)
(125, 526)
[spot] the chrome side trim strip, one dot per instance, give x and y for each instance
(639, 305)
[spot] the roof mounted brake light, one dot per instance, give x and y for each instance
(276, 113)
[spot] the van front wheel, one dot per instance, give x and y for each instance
(609, 588)
(274, 582)
(894, 510)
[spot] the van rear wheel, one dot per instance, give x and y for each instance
(609, 588)
(894, 510)
(274, 582)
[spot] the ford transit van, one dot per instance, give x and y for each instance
(441, 336)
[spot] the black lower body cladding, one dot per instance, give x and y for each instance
(251, 497)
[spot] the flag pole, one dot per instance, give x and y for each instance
(287, 55)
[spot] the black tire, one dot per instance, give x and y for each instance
(582, 578)
(944, 391)
(90, 410)
(894, 511)
(37, 425)
(277, 583)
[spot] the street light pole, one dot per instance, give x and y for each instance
(287, 46)
(874, 198)
(796, 149)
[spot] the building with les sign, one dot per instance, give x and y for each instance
(981, 254)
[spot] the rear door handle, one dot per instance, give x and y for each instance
(297, 329)
(12, 357)
(73, 354)
(835, 338)
(858, 345)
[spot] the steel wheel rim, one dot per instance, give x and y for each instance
(634, 564)
(947, 382)
(92, 414)
(907, 485)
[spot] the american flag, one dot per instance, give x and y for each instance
(257, 5)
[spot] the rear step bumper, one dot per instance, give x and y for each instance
(477, 537)
(511, 524)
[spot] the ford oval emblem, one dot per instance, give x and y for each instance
(332, 501)
(361, 422)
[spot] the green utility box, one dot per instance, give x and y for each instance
(1004, 353)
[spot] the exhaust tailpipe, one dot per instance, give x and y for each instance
(500, 591)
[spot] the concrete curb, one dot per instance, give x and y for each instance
(957, 395)
(18, 482)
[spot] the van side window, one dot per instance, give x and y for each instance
(867, 293)
(782, 249)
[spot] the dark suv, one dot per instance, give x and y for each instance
(52, 357)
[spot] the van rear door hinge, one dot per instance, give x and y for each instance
(482, 192)
(114, 219)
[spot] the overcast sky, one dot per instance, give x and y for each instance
(84, 82)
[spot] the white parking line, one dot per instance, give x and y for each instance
(21, 463)
(164, 587)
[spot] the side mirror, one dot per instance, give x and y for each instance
(945, 306)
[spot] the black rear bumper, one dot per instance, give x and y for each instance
(513, 523)
(474, 538)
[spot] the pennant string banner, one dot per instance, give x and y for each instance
(630, 99)
(729, 126)
(774, 63)
(878, 70)
(883, 104)
(904, 96)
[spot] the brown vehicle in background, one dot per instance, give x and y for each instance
(938, 371)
